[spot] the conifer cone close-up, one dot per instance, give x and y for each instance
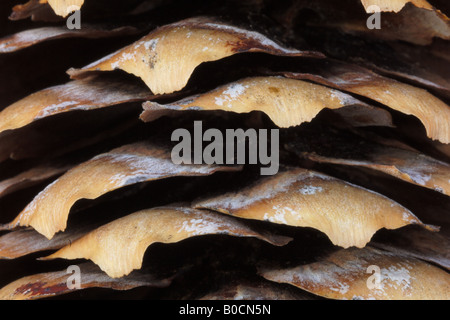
(225, 149)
